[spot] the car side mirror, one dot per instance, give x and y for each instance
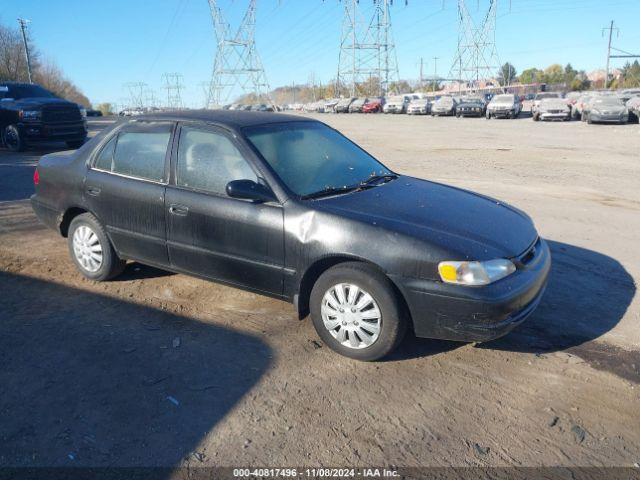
(250, 190)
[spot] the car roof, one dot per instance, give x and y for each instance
(231, 118)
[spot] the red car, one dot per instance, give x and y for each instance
(373, 106)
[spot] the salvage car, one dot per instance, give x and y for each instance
(358, 103)
(30, 114)
(506, 105)
(552, 109)
(343, 105)
(605, 109)
(419, 106)
(288, 207)
(445, 105)
(330, 105)
(633, 105)
(542, 96)
(397, 104)
(471, 107)
(374, 105)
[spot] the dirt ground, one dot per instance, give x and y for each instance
(157, 369)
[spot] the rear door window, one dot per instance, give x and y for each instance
(138, 151)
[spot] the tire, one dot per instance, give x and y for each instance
(589, 121)
(89, 235)
(76, 143)
(488, 116)
(391, 318)
(13, 139)
(536, 117)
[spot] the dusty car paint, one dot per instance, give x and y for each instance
(403, 227)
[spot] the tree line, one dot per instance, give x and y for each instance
(13, 67)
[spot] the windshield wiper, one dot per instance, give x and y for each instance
(327, 192)
(373, 179)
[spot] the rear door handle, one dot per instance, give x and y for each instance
(180, 210)
(94, 191)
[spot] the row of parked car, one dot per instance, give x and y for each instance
(592, 107)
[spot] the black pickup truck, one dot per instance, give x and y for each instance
(30, 113)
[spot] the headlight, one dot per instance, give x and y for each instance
(596, 111)
(30, 114)
(475, 273)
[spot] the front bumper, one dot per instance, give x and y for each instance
(470, 113)
(611, 118)
(555, 116)
(442, 113)
(477, 314)
(44, 132)
(502, 113)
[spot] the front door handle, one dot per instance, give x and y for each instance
(180, 210)
(93, 191)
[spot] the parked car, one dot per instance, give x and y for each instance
(540, 97)
(578, 106)
(374, 105)
(445, 105)
(552, 109)
(30, 114)
(343, 105)
(288, 207)
(471, 107)
(506, 105)
(357, 104)
(633, 105)
(92, 113)
(397, 104)
(330, 105)
(420, 106)
(605, 109)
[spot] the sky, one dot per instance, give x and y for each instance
(103, 45)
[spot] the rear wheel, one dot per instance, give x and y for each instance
(356, 312)
(91, 249)
(13, 139)
(536, 117)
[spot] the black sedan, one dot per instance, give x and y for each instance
(288, 207)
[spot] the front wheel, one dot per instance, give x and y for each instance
(356, 311)
(91, 249)
(488, 116)
(13, 139)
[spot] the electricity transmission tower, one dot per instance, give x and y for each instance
(477, 56)
(173, 84)
(367, 59)
(237, 64)
(137, 92)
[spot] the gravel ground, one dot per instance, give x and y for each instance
(167, 370)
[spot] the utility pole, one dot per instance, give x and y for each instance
(606, 72)
(435, 72)
(23, 27)
(421, 72)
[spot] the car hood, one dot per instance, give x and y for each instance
(472, 225)
(469, 104)
(609, 108)
(40, 101)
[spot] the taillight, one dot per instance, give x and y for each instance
(36, 177)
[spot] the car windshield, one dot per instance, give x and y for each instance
(503, 98)
(472, 100)
(24, 91)
(396, 100)
(444, 101)
(542, 96)
(613, 101)
(310, 157)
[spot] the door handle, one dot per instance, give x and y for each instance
(180, 210)
(93, 191)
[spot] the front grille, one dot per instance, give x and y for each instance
(55, 114)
